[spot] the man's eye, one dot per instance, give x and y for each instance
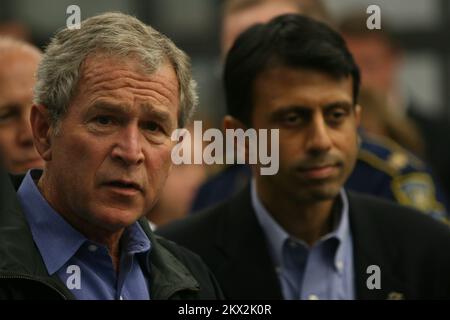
(103, 120)
(152, 126)
(337, 115)
(5, 116)
(292, 119)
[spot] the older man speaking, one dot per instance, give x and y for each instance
(107, 99)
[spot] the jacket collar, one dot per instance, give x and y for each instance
(19, 256)
(167, 274)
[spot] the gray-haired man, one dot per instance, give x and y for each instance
(107, 99)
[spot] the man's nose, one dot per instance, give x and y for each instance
(318, 139)
(128, 147)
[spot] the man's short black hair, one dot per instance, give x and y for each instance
(290, 40)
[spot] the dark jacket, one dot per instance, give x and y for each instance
(411, 249)
(176, 273)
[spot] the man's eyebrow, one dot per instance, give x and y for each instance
(150, 110)
(108, 107)
(290, 109)
(147, 109)
(339, 104)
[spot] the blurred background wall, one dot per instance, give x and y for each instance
(421, 28)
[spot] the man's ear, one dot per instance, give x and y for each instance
(358, 111)
(41, 128)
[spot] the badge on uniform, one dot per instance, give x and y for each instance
(416, 190)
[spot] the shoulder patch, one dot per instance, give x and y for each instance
(417, 190)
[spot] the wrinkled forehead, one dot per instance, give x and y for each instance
(101, 60)
(125, 81)
(104, 67)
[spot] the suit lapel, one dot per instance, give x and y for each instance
(248, 267)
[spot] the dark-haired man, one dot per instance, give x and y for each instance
(298, 234)
(383, 168)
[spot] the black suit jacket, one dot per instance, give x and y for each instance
(411, 249)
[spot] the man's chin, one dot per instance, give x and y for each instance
(115, 219)
(319, 194)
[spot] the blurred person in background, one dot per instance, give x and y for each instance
(380, 57)
(383, 168)
(378, 119)
(16, 30)
(18, 65)
(239, 15)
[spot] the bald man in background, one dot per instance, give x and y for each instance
(18, 65)
(239, 15)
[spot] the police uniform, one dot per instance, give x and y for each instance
(383, 169)
(386, 170)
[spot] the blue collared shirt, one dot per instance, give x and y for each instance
(323, 271)
(84, 266)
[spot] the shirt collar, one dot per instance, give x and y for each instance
(342, 233)
(277, 236)
(55, 238)
(135, 240)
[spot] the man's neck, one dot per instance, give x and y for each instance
(307, 221)
(106, 237)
